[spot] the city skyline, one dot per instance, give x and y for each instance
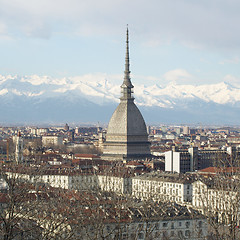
(177, 41)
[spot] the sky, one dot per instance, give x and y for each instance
(182, 41)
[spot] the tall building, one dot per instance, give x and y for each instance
(127, 136)
(19, 148)
(186, 130)
(182, 161)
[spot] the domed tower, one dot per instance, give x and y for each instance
(127, 136)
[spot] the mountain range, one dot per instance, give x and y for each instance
(35, 99)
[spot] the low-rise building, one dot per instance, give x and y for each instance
(52, 140)
(158, 187)
(217, 199)
(161, 221)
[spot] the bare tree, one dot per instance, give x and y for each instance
(218, 196)
(29, 208)
(36, 210)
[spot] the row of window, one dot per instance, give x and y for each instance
(164, 234)
(143, 182)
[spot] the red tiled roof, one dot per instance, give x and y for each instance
(220, 170)
(85, 155)
(134, 163)
(3, 198)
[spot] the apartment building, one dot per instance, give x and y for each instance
(182, 161)
(168, 187)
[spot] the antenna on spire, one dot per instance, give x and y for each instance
(127, 85)
(127, 42)
(127, 80)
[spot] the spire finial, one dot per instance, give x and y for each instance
(127, 72)
(127, 85)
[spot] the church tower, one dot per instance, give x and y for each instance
(127, 136)
(19, 148)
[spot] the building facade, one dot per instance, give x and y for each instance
(194, 159)
(159, 187)
(52, 140)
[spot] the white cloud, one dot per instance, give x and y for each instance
(4, 35)
(163, 21)
(234, 60)
(143, 79)
(3, 28)
(176, 75)
(232, 80)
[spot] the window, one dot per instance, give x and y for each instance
(187, 224)
(187, 233)
(140, 226)
(172, 226)
(200, 233)
(141, 235)
(132, 236)
(180, 234)
(179, 224)
(124, 236)
(165, 224)
(165, 235)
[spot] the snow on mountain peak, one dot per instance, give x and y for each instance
(3, 91)
(99, 89)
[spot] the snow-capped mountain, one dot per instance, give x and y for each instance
(93, 98)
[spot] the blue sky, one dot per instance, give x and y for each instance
(183, 41)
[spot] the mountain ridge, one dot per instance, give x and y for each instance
(88, 98)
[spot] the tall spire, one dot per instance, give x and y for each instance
(127, 85)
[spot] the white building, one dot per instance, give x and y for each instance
(194, 159)
(77, 180)
(186, 130)
(217, 200)
(117, 184)
(154, 186)
(52, 140)
(160, 187)
(179, 162)
(39, 131)
(164, 221)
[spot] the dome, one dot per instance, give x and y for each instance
(127, 120)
